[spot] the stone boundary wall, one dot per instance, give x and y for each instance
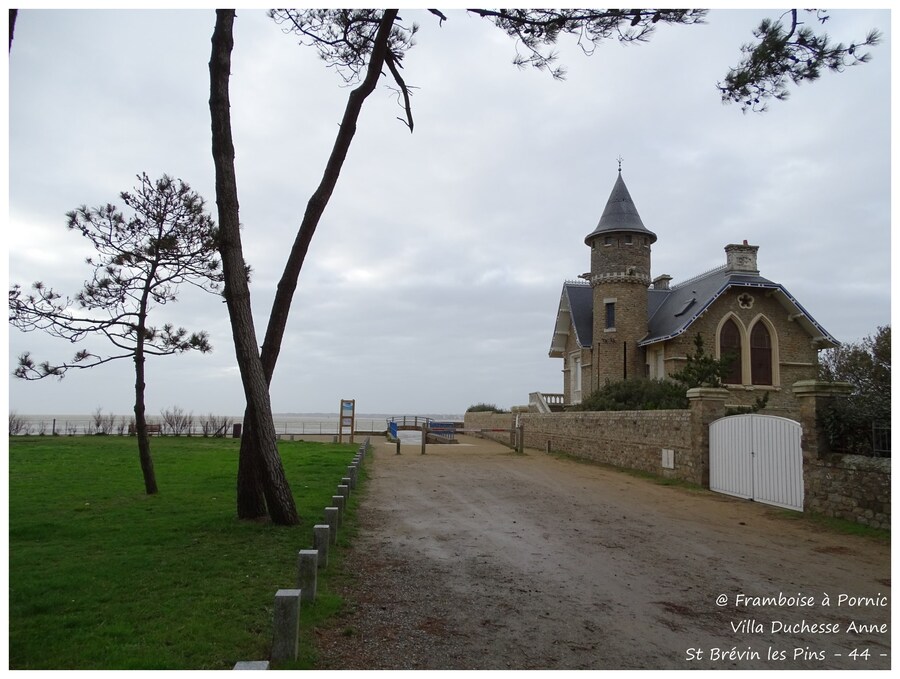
(851, 487)
(627, 439)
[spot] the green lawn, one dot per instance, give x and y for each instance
(102, 576)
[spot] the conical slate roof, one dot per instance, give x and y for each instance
(620, 214)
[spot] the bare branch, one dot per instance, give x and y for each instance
(404, 90)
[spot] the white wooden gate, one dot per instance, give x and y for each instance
(757, 457)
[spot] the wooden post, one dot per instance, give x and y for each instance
(424, 436)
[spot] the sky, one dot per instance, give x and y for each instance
(434, 278)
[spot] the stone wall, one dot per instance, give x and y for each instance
(850, 487)
(627, 439)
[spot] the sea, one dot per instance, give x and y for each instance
(286, 424)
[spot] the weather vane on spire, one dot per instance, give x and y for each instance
(620, 159)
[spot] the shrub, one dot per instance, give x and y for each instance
(701, 369)
(636, 394)
(848, 426)
(485, 408)
(17, 424)
(215, 426)
(177, 422)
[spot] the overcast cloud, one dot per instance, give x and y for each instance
(434, 278)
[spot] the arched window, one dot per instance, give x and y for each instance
(730, 346)
(761, 354)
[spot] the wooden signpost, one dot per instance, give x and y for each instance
(347, 419)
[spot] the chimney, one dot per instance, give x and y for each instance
(661, 282)
(741, 258)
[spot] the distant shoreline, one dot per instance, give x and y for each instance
(286, 424)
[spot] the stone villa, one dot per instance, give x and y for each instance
(618, 322)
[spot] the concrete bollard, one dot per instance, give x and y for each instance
(351, 474)
(339, 502)
(344, 489)
(321, 540)
(251, 665)
(331, 516)
(286, 636)
(307, 567)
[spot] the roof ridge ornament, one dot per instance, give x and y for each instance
(620, 159)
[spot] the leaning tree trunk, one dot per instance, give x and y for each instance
(251, 499)
(284, 294)
(278, 497)
(140, 421)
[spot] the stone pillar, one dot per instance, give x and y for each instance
(286, 636)
(707, 405)
(321, 540)
(813, 396)
(307, 569)
(251, 665)
(331, 518)
(340, 502)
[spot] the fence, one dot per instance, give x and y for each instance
(86, 425)
(881, 439)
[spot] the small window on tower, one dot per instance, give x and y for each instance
(607, 240)
(628, 239)
(610, 315)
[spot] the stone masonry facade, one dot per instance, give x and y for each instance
(795, 358)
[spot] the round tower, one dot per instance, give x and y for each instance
(620, 277)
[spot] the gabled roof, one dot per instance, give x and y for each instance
(671, 312)
(620, 214)
(576, 309)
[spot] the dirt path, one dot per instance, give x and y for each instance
(473, 557)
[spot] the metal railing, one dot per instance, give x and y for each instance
(881, 439)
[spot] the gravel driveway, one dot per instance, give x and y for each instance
(474, 557)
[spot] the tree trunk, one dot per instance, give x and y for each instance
(281, 305)
(140, 421)
(278, 497)
(251, 500)
(13, 13)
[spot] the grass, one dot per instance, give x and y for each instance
(103, 576)
(841, 526)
